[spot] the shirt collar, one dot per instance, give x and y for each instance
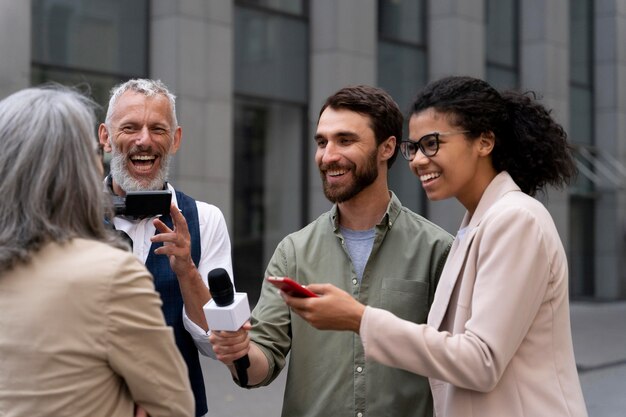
(391, 214)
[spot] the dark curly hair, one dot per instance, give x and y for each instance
(529, 144)
(384, 113)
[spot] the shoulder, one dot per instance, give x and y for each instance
(318, 230)
(97, 249)
(324, 224)
(521, 215)
(95, 270)
(413, 222)
(518, 205)
(403, 220)
(104, 258)
(208, 214)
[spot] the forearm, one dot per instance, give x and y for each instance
(195, 295)
(259, 367)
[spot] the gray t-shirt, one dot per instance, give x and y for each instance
(359, 244)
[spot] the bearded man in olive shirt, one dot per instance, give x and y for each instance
(369, 245)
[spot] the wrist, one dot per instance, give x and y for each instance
(187, 271)
(358, 317)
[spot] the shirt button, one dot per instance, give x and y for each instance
(354, 281)
(359, 369)
(359, 414)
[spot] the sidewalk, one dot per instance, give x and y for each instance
(599, 333)
(598, 330)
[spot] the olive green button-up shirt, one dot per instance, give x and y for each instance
(327, 374)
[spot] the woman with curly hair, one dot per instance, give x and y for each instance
(498, 339)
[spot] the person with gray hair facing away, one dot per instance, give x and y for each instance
(142, 133)
(81, 329)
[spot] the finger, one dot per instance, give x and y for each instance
(166, 236)
(161, 227)
(180, 223)
(320, 288)
(140, 412)
(296, 303)
(169, 249)
(230, 352)
(224, 334)
(229, 358)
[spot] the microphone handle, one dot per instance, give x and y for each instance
(241, 366)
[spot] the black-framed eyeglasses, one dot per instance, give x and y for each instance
(428, 144)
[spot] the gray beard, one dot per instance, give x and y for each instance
(123, 178)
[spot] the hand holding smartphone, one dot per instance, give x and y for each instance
(291, 287)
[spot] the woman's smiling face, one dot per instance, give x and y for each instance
(451, 172)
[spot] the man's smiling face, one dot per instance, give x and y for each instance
(347, 154)
(142, 138)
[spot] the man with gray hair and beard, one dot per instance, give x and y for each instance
(141, 132)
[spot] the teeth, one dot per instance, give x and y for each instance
(143, 158)
(429, 176)
(335, 173)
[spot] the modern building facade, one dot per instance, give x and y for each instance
(251, 75)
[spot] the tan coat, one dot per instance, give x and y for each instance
(82, 334)
(498, 340)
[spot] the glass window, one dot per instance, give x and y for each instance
(105, 37)
(271, 55)
(501, 78)
(271, 139)
(582, 245)
(98, 86)
(582, 201)
(580, 33)
(501, 36)
(582, 183)
(581, 72)
(90, 44)
(297, 7)
(402, 20)
(268, 204)
(402, 71)
(581, 110)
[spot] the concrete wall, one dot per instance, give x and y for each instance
(341, 54)
(15, 35)
(610, 137)
(192, 52)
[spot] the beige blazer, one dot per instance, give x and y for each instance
(82, 334)
(498, 339)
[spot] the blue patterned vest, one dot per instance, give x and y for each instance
(166, 284)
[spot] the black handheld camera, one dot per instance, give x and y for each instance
(143, 203)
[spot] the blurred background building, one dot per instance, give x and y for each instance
(251, 75)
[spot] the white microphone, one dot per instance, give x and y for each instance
(227, 310)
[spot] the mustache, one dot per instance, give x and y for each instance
(140, 149)
(334, 165)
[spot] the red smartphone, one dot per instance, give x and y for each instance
(291, 287)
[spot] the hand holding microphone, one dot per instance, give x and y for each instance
(229, 311)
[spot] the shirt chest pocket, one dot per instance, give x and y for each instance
(406, 299)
